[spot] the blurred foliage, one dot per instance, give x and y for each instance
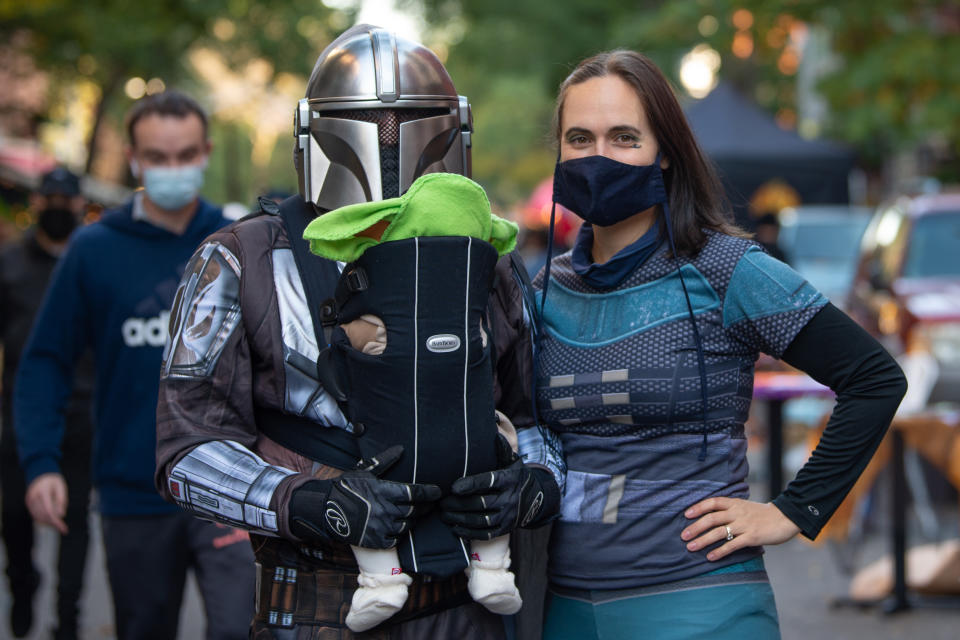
(509, 57)
(888, 75)
(230, 177)
(890, 82)
(110, 41)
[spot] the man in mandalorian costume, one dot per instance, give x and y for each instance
(250, 429)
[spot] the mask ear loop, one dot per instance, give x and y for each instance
(553, 217)
(546, 268)
(696, 332)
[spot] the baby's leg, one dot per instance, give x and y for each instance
(382, 591)
(488, 580)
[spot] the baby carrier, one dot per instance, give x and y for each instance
(431, 389)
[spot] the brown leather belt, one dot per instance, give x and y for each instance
(315, 586)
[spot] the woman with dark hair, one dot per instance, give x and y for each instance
(648, 333)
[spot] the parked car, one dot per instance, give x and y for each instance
(907, 287)
(822, 243)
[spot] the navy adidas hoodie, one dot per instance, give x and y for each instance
(111, 291)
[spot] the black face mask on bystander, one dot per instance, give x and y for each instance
(57, 223)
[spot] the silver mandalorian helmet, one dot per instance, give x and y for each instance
(379, 112)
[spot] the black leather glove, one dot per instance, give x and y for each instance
(490, 504)
(358, 507)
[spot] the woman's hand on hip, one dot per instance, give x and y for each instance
(741, 523)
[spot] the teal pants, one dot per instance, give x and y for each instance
(732, 603)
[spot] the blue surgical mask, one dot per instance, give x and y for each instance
(604, 192)
(172, 188)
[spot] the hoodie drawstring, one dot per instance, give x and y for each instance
(696, 334)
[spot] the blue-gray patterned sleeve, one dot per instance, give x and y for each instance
(767, 303)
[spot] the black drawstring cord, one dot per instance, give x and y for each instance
(696, 335)
(546, 270)
(538, 317)
(553, 217)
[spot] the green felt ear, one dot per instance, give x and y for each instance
(437, 204)
(503, 235)
(333, 235)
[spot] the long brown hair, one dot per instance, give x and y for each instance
(696, 196)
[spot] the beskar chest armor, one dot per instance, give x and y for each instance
(379, 112)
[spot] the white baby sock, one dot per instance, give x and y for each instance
(382, 591)
(488, 580)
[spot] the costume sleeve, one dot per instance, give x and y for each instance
(45, 373)
(835, 351)
(513, 340)
(206, 429)
(767, 303)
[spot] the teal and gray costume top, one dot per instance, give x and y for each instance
(618, 381)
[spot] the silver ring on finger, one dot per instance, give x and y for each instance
(729, 533)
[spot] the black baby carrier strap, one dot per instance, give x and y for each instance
(431, 389)
(319, 277)
(328, 445)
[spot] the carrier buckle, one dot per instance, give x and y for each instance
(329, 314)
(356, 279)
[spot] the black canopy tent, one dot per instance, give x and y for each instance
(749, 149)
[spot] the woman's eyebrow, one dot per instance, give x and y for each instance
(577, 130)
(626, 128)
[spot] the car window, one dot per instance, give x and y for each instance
(836, 240)
(824, 251)
(933, 246)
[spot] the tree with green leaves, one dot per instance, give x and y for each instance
(886, 68)
(110, 41)
(509, 58)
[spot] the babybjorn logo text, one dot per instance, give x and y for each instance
(139, 332)
(443, 343)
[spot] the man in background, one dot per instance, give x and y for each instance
(111, 291)
(25, 268)
(767, 232)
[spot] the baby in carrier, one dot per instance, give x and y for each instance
(415, 362)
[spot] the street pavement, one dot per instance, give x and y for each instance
(805, 580)
(96, 609)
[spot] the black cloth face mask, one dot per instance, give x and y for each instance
(57, 223)
(604, 192)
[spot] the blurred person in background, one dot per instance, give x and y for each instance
(532, 247)
(657, 537)
(767, 232)
(111, 291)
(25, 269)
